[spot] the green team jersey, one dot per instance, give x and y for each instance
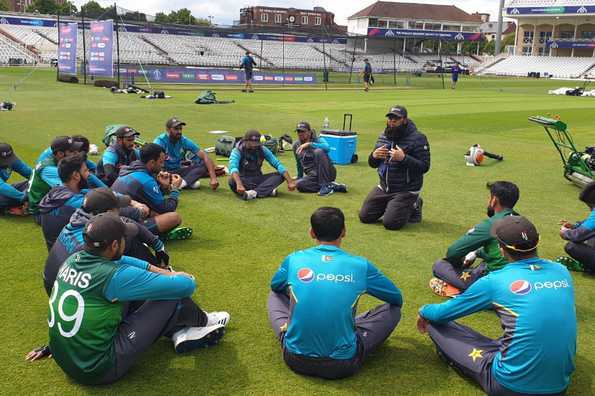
(38, 188)
(82, 323)
(480, 240)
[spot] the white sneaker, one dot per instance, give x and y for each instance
(195, 185)
(250, 194)
(220, 317)
(191, 338)
(274, 193)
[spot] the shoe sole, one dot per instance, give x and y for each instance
(210, 339)
(180, 235)
(570, 263)
(442, 288)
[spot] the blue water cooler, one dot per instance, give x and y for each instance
(343, 143)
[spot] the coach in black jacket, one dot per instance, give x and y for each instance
(402, 156)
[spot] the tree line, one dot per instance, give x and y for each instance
(92, 9)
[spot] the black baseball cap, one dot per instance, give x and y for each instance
(65, 143)
(174, 122)
(397, 111)
(302, 126)
(102, 199)
(107, 227)
(516, 233)
(126, 131)
(252, 135)
(7, 157)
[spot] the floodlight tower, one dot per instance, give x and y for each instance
(499, 31)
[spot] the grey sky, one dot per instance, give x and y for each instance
(226, 11)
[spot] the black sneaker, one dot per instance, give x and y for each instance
(338, 187)
(416, 215)
(326, 190)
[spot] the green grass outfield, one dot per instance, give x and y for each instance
(238, 245)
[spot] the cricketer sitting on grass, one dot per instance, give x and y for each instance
(478, 242)
(402, 156)
(70, 240)
(120, 153)
(176, 146)
(534, 299)
(581, 236)
(45, 176)
(61, 201)
(245, 169)
(313, 299)
(315, 171)
(93, 178)
(104, 314)
(145, 182)
(12, 195)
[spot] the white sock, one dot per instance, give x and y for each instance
(184, 184)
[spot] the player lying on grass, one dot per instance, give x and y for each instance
(103, 315)
(581, 236)
(145, 182)
(13, 197)
(313, 299)
(245, 168)
(455, 269)
(315, 171)
(534, 299)
(176, 147)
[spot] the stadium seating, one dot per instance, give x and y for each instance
(12, 51)
(559, 67)
(169, 49)
(34, 36)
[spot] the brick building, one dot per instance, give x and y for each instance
(317, 18)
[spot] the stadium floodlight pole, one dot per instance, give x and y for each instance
(499, 30)
(395, 61)
(58, 65)
(117, 42)
(261, 49)
(352, 59)
(324, 72)
(84, 47)
(283, 59)
(441, 64)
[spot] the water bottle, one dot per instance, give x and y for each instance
(325, 123)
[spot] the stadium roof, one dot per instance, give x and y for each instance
(436, 12)
(548, 3)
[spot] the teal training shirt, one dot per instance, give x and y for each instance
(175, 151)
(534, 300)
(325, 283)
